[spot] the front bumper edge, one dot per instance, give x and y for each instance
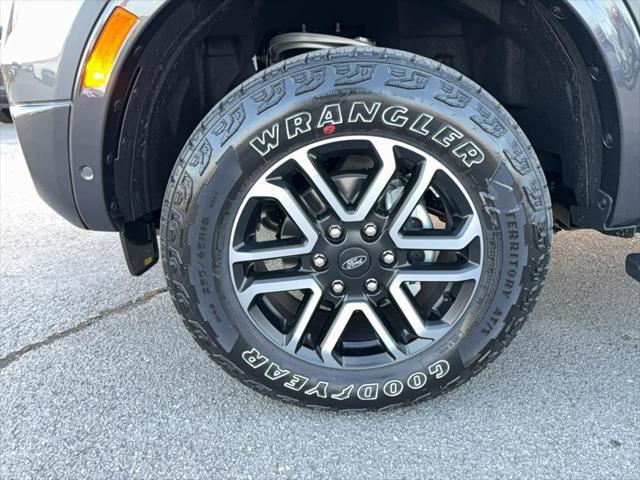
(43, 131)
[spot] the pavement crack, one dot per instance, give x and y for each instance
(54, 337)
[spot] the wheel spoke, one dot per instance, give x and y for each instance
(266, 253)
(384, 149)
(467, 271)
(340, 323)
(277, 284)
(470, 271)
(319, 182)
(426, 172)
(297, 214)
(292, 341)
(469, 230)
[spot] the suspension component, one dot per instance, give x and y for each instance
(301, 41)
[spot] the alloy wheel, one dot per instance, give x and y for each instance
(356, 251)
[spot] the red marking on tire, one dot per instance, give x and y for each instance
(329, 129)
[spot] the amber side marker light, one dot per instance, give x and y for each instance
(106, 49)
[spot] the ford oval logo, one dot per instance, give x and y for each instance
(354, 262)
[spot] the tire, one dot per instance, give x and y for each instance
(232, 150)
(5, 116)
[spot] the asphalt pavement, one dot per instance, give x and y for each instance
(99, 379)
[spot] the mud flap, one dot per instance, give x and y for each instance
(140, 246)
(633, 266)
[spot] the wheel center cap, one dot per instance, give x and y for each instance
(354, 262)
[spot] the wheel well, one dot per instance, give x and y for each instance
(195, 52)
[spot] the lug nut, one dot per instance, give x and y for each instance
(388, 257)
(319, 260)
(371, 285)
(370, 230)
(334, 232)
(337, 286)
